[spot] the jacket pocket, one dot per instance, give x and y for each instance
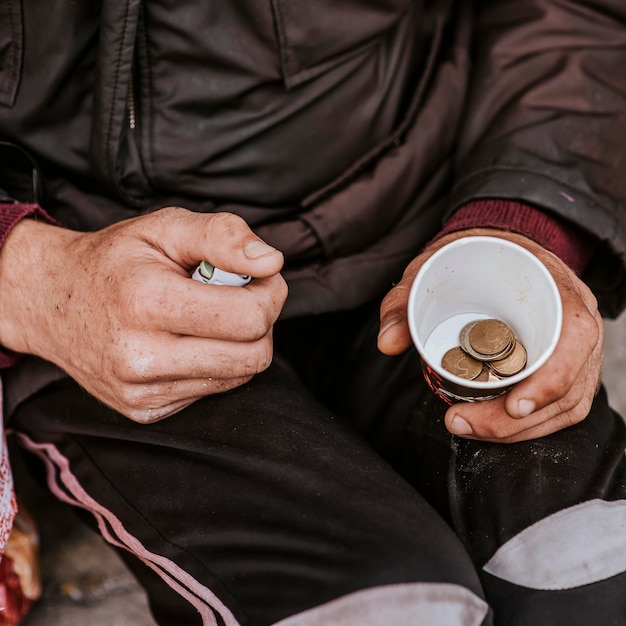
(11, 50)
(316, 35)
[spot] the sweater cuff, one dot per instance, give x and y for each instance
(10, 215)
(571, 244)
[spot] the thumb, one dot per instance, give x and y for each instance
(394, 336)
(223, 239)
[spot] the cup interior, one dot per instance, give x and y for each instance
(479, 277)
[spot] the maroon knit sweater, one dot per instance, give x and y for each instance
(568, 242)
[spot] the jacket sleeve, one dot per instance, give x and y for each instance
(545, 122)
(574, 247)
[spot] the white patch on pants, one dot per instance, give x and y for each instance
(397, 605)
(578, 546)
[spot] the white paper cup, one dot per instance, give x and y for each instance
(476, 278)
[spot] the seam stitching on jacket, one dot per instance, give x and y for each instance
(116, 78)
(283, 43)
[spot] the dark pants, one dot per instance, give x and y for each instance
(328, 489)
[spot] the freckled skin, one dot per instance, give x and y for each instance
(138, 333)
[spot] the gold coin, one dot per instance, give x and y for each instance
(483, 377)
(502, 355)
(489, 357)
(512, 364)
(461, 364)
(490, 338)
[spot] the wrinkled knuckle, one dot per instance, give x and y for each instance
(259, 359)
(170, 212)
(564, 406)
(136, 306)
(138, 401)
(395, 302)
(572, 420)
(142, 415)
(574, 416)
(226, 224)
(582, 409)
(260, 322)
(574, 400)
(130, 398)
(400, 292)
(133, 368)
(163, 219)
(574, 407)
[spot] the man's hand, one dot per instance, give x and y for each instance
(117, 311)
(557, 395)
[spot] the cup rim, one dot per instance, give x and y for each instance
(554, 292)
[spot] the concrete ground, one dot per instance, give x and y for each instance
(85, 582)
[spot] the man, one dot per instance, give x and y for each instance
(257, 470)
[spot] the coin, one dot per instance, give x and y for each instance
(464, 336)
(491, 338)
(488, 351)
(490, 357)
(461, 364)
(512, 364)
(484, 375)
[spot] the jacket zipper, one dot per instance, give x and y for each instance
(132, 111)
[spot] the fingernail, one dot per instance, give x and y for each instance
(525, 407)
(459, 426)
(392, 320)
(257, 248)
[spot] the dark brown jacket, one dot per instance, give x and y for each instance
(342, 130)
